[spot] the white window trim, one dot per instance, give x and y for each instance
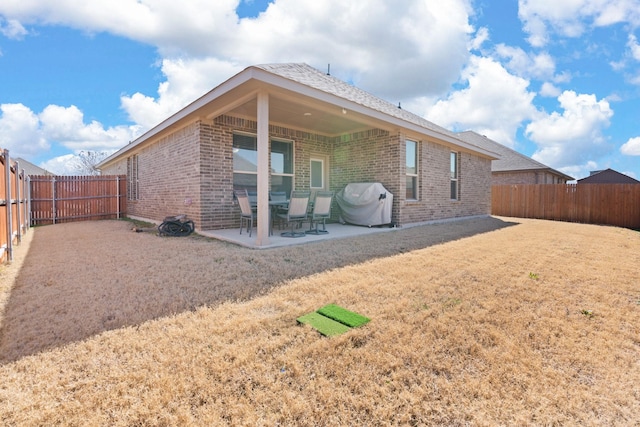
(293, 160)
(321, 161)
(293, 153)
(414, 175)
(133, 185)
(457, 176)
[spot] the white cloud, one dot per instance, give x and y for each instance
(482, 35)
(528, 65)
(549, 90)
(20, 131)
(385, 47)
(187, 79)
(399, 51)
(573, 137)
(571, 18)
(389, 61)
(66, 126)
(12, 29)
(27, 134)
(195, 26)
(631, 147)
(494, 103)
(634, 47)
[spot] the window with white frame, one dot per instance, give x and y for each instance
(245, 163)
(132, 177)
(455, 174)
(411, 169)
(317, 173)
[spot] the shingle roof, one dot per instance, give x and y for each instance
(31, 169)
(309, 76)
(510, 160)
(608, 176)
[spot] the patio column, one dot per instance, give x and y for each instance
(262, 234)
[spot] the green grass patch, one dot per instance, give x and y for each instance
(324, 325)
(343, 315)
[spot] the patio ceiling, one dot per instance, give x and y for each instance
(316, 117)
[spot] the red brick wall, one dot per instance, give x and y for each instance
(169, 177)
(525, 177)
(434, 186)
(191, 172)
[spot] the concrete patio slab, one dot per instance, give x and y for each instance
(335, 231)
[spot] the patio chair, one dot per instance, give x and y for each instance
(321, 212)
(253, 198)
(297, 212)
(278, 202)
(246, 213)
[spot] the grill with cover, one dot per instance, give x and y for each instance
(365, 203)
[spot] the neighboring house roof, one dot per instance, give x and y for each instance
(302, 97)
(510, 160)
(608, 176)
(31, 169)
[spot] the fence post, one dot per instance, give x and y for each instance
(53, 199)
(18, 202)
(28, 214)
(7, 168)
(118, 196)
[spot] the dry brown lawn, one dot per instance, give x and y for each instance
(494, 321)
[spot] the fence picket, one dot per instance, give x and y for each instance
(57, 199)
(610, 204)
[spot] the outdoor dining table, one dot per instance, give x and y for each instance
(275, 206)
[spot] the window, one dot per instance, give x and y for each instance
(132, 177)
(245, 163)
(412, 170)
(317, 173)
(455, 194)
(281, 166)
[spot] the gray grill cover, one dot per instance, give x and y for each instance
(365, 203)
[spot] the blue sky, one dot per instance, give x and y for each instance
(558, 81)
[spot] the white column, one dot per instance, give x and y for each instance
(262, 234)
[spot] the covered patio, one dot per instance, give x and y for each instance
(335, 231)
(284, 127)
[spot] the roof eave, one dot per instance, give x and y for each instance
(265, 77)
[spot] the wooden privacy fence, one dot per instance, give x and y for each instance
(14, 205)
(611, 204)
(56, 199)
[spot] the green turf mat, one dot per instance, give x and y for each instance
(343, 315)
(324, 325)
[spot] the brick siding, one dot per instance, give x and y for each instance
(525, 177)
(191, 172)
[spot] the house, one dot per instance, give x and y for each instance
(608, 176)
(30, 169)
(513, 167)
(280, 127)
